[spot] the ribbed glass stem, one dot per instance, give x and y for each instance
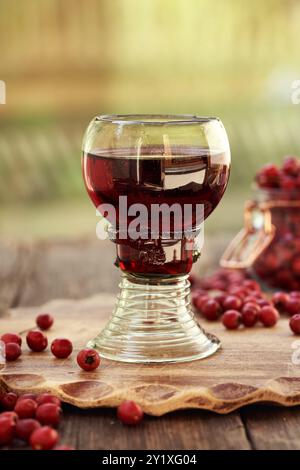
(153, 322)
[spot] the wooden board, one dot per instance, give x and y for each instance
(254, 365)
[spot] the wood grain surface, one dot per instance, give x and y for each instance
(254, 365)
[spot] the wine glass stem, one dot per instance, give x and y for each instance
(153, 322)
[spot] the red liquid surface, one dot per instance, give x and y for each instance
(189, 176)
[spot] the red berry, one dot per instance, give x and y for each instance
(48, 398)
(250, 314)
(44, 321)
(130, 412)
(231, 319)
(61, 348)
(252, 285)
(9, 400)
(240, 292)
(10, 414)
(11, 338)
(232, 302)
(36, 341)
(280, 299)
(211, 309)
(251, 299)
(200, 300)
(12, 351)
(43, 438)
(296, 265)
(263, 303)
(268, 176)
(7, 430)
(25, 427)
(271, 262)
(268, 316)
(26, 408)
(220, 298)
(88, 359)
(295, 324)
(290, 166)
(63, 447)
(295, 294)
(292, 306)
(287, 183)
(48, 413)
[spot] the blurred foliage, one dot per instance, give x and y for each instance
(65, 61)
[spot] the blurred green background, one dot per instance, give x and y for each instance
(63, 62)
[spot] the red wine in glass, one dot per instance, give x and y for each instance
(189, 175)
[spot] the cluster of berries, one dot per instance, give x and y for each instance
(286, 177)
(37, 341)
(238, 300)
(32, 419)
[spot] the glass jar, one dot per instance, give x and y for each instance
(269, 244)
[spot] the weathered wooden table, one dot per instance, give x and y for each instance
(31, 275)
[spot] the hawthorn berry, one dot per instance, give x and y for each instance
(252, 285)
(44, 321)
(287, 183)
(290, 166)
(36, 340)
(231, 319)
(268, 316)
(295, 294)
(268, 176)
(9, 400)
(11, 338)
(12, 351)
(232, 302)
(250, 312)
(26, 408)
(292, 306)
(61, 348)
(7, 430)
(88, 359)
(263, 303)
(25, 427)
(200, 300)
(10, 414)
(296, 265)
(211, 309)
(49, 414)
(280, 299)
(130, 413)
(220, 298)
(48, 398)
(44, 438)
(295, 324)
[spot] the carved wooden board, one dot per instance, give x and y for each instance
(254, 365)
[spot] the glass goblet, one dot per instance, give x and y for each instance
(155, 179)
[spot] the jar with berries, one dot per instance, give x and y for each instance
(269, 244)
